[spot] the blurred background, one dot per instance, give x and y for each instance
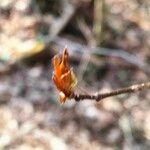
(108, 42)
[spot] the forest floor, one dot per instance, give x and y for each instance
(31, 33)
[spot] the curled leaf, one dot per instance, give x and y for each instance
(63, 76)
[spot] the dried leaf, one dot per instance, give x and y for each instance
(63, 76)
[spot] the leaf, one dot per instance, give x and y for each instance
(63, 76)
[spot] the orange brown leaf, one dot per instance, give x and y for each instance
(63, 76)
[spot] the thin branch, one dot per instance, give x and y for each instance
(57, 24)
(99, 15)
(77, 49)
(100, 96)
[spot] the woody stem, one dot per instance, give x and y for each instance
(100, 96)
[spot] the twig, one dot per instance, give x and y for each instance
(87, 32)
(99, 15)
(77, 49)
(100, 96)
(91, 42)
(57, 24)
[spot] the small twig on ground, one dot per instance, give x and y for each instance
(87, 32)
(57, 24)
(99, 96)
(99, 15)
(91, 42)
(77, 49)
